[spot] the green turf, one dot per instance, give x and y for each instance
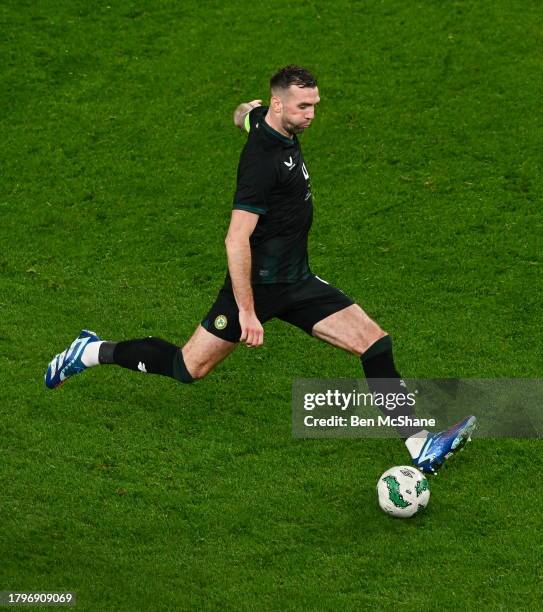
(118, 164)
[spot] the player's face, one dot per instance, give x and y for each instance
(298, 106)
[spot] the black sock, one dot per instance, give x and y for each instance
(151, 355)
(105, 353)
(384, 378)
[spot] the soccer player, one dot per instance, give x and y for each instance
(269, 275)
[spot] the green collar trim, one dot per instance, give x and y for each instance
(275, 133)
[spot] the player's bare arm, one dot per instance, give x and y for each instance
(238, 251)
(242, 110)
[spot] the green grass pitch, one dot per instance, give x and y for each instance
(118, 164)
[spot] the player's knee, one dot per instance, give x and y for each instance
(199, 373)
(366, 337)
(199, 370)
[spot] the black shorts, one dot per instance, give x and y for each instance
(302, 304)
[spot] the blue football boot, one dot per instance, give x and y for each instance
(69, 362)
(437, 447)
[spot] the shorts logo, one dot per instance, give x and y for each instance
(221, 322)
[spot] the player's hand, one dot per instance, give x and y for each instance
(252, 332)
(255, 103)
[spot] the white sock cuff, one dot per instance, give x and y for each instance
(415, 442)
(90, 354)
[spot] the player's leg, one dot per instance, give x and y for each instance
(149, 355)
(192, 362)
(152, 355)
(328, 314)
(351, 329)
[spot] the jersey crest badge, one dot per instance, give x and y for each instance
(221, 322)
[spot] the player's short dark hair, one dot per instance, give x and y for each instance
(292, 75)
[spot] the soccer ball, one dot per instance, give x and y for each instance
(403, 491)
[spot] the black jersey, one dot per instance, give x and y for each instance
(273, 182)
